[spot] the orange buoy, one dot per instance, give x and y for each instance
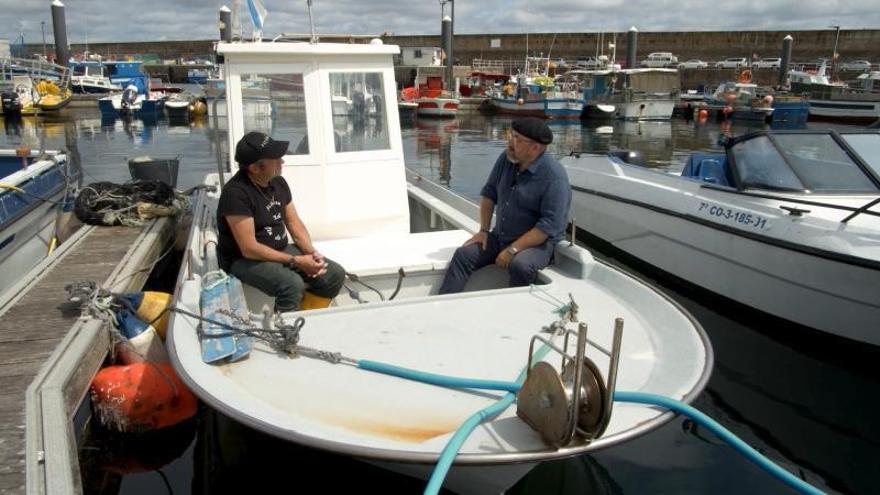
(140, 397)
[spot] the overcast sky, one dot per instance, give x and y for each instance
(142, 20)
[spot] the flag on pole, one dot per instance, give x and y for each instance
(258, 13)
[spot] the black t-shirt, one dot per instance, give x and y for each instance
(242, 197)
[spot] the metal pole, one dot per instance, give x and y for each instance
(786, 59)
(43, 31)
(450, 59)
(59, 26)
(834, 54)
(632, 39)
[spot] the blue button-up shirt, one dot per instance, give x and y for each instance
(537, 197)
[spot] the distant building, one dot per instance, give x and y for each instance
(419, 55)
(4, 49)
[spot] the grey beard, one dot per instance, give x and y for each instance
(511, 159)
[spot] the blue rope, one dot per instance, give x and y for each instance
(450, 451)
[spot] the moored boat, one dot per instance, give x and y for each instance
(400, 232)
(782, 221)
(538, 96)
(33, 189)
(629, 94)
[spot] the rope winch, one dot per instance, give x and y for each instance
(574, 402)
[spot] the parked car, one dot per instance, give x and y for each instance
(767, 63)
(856, 65)
(659, 59)
(693, 64)
(591, 62)
(732, 63)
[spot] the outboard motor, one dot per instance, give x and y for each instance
(11, 103)
(129, 98)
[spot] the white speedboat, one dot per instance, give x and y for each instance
(397, 232)
(32, 188)
(785, 222)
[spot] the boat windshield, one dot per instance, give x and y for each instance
(867, 146)
(801, 162)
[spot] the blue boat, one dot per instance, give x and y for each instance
(33, 187)
(539, 97)
(124, 73)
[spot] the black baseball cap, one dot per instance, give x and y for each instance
(255, 146)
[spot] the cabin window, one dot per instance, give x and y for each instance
(275, 104)
(417, 53)
(761, 166)
(868, 147)
(359, 118)
(822, 164)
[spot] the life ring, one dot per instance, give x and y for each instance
(745, 76)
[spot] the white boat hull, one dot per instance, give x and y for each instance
(775, 277)
(864, 110)
(33, 233)
(643, 110)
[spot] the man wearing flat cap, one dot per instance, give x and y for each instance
(254, 216)
(529, 193)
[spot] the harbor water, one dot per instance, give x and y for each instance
(806, 400)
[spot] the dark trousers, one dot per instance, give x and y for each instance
(288, 285)
(523, 268)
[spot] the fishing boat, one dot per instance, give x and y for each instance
(629, 94)
(395, 232)
(835, 101)
(785, 222)
(91, 77)
(538, 96)
(429, 93)
(739, 100)
(34, 187)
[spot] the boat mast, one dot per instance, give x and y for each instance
(314, 38)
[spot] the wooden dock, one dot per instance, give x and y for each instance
(36, 331)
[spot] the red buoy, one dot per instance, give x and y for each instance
(141, 396)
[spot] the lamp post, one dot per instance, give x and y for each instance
(43, 30)
(834, 54)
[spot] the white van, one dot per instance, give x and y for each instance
(660, 59)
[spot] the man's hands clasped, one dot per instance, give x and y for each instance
(313, 265)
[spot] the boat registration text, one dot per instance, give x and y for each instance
(732, 216)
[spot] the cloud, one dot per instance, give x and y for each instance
(115, 20)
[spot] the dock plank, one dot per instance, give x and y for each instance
(32, 328)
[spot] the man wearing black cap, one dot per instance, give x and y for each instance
(529, 193)
(254, 215)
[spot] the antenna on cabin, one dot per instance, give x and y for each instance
(311, 22)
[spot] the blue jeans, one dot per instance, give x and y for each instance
(287, 285)
(523, 268)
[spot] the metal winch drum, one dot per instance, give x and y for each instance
(574, 402)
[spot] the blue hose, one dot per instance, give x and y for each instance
(464, 431)
(723, 433)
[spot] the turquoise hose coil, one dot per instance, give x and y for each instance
(455, 443)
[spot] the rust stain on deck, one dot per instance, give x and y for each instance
(401, 433)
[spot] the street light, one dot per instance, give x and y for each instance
(43, 30)
(834, 54)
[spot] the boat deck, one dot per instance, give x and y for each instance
(35, 322)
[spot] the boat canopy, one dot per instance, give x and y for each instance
(345, 162)
(825, 162)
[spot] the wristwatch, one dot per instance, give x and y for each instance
(512, 250)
